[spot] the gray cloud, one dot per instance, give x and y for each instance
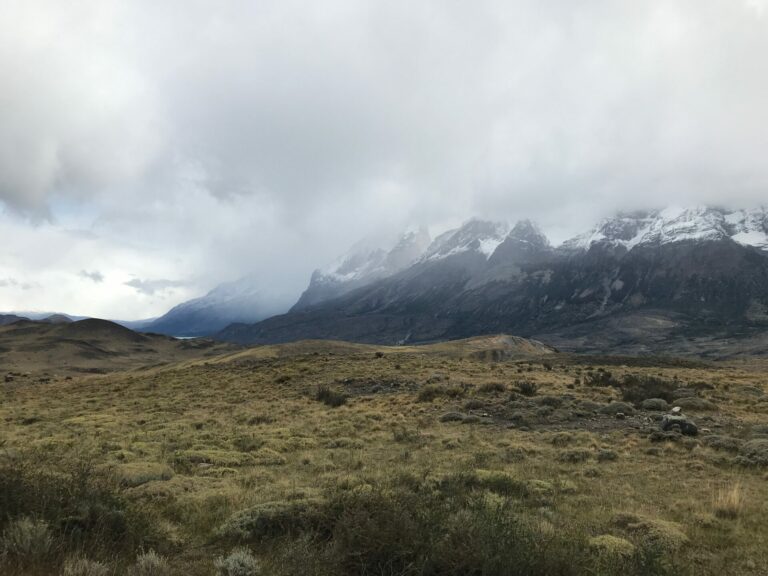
(212, 141)
(13, 283)
(151, 287)
(95, 276)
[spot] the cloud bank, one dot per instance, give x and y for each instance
(194, 142)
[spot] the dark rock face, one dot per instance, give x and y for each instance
(606, 292)
(691, 287)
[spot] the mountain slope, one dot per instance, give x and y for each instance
(239, 301)
(700, 269)
(362, 265)
(10, 319)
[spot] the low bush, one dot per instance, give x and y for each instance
(27, 540)
(695, 403)
(468, 523)
(55, 506)
(330, 397)
(723, 442)
(527, 387)
(431, 392)
(600, 378)
(272, 519)
(80, 504)
(638, 387)
(615, 407)
(492, 388)
(754, 453)
(655, 404)
(80, 566)
(611, 552)
(150, 564)
(239, 562)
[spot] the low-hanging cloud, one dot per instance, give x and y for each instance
(219, 139)
(151, 287)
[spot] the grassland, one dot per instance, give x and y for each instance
(328, 458)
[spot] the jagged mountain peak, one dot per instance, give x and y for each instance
(528, 231)
(482, 236)
(366, 262)
(676, 224)
(367, 259)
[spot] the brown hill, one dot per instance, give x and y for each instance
(92, 346)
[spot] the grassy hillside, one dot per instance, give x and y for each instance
(91, 346)
(490, 456)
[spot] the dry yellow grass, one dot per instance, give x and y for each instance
(729, 502)
(201, 441)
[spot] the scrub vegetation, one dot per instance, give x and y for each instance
(322, 458)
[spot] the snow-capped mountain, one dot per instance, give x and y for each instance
(524, 243)
(634, 280)
(363, 264)
(238, 301)
(675, 224)
(473, 236)
(749, 227)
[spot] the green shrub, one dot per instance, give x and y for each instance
(431, 392)
(80, 504)
(27, 539)
(502, 483)
(403, 532)
(468, 523)
(615, 407)
(600, 378)
(80, 566)
(239, 562)
(272, 519)
(612, 554)
(655, 404)
(754, 453)
(695, 403)
(150, 564)
(723, 442)
(527, 387)
(330, 397)
(638, 387)
(492, 388)
(574, 456)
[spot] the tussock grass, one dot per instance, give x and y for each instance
(199, 461)
(728, 502)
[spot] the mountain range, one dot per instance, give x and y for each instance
(238, 301)
(638, 282)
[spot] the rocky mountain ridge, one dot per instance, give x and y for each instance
(702, 270)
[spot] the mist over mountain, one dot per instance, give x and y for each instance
(362, 265)
(145, 158)
(243, 300)
(665, 276)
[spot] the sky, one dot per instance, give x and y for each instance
(150, 150)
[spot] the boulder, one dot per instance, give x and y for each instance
(679, 422)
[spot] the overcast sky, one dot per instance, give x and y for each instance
(149, 150)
